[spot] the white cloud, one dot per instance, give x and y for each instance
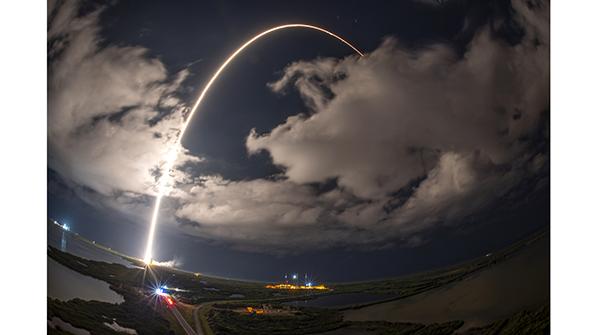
(456, 125)
(397, 111)
(397, 115)
(100, 102)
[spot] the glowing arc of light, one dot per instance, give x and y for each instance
(173, 154)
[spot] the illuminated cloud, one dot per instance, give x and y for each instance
(113, 112)
(414, 139)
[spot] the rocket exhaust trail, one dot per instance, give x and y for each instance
(173, 154)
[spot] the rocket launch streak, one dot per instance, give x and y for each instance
(172, 156)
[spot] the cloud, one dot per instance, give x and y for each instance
(392, 114)
(413, 139)
(250, 212)
(168, 264)
(113, 112)
(461, 124)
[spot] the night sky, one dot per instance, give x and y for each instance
(432, 150)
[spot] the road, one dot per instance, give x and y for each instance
(197, 320)
(182, 321)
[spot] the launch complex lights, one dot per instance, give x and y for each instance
(296, 287)
(171, 157)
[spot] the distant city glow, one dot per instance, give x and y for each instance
(294, 276)
(170, 159)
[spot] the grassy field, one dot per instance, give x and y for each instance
(225, 319)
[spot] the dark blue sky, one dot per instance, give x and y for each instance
(201, 33)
